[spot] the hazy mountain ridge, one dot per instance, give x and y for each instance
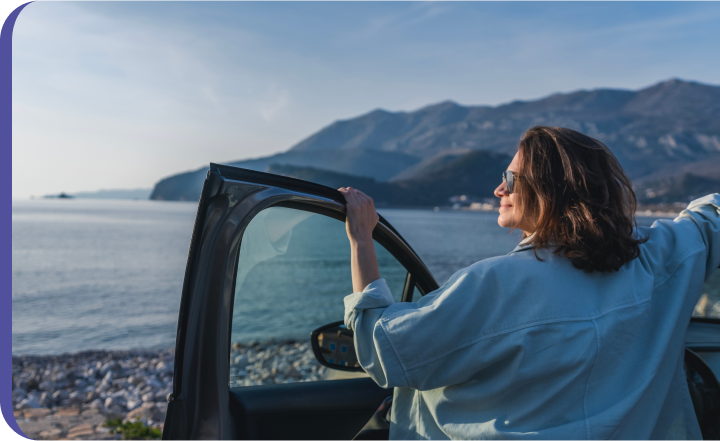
(475, 175)
(656, 127)
(683, 188)
(379, 165)
(655, 132)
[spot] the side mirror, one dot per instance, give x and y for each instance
(334, 347)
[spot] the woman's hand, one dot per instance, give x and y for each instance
(361, 219)
(361, 215)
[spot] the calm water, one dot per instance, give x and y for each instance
(94, 274)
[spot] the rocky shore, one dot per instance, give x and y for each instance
(71, 395)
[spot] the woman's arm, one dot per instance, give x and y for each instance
(705, 213)
(360, 222)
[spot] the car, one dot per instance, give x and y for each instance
(263, 243)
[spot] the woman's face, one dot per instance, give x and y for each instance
(510, 215)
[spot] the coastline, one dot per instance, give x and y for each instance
(71, 395)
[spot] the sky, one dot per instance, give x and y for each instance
(113, 95)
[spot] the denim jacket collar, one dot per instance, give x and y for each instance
(523, 245)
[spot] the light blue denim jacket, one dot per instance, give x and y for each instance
(514, 347)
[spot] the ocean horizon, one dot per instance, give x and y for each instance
(93, 274)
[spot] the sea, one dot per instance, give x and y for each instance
(108, 274)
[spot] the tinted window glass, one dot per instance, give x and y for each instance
(293, 273)
(709, 307)
(709, 303)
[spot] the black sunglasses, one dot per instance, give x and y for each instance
(509, 178)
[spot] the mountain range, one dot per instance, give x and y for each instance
(666, 136)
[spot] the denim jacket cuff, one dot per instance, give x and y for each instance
(375, 295)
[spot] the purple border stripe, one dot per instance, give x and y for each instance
(6, 238)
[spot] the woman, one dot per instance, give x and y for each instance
(577, 333)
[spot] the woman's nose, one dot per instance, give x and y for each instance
(501, 190)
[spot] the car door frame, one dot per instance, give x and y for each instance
(199, 406)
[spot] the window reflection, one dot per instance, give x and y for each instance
(292, 275)
(709, 304)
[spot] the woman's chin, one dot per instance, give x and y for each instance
(504, 222)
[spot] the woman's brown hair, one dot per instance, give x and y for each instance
(581, 201)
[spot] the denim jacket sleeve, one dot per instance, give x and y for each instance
(705, 213)
(401, 344)
(363, 310)
(695, 230)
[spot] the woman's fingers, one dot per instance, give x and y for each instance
(361, 214)
(353, 196)
(349, 195)
(356, 198)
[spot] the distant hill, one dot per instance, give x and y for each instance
(379, 165)
(138, 193)
(658, 132)
(682, 188)
(431, 163)
(475, 175)
(383, 193)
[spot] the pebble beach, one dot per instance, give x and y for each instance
(70, 396)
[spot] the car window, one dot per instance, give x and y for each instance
(292, 275)
(417, 295)
(709, 303)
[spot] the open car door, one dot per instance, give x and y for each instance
(269, 257)
(261, 243)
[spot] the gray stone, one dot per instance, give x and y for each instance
(32, 383)
(133, 404)
(19, 393)
(147, 412)
(135, 380)
(153, 383)
(76, 398)
(145, 390)
(166, 367)
(109, 367)
(92, 396)
(47, 385)
(29, 403)
(60, 395)
(108, 377)
(46, 400)
(148, 397)
(161, 396)
(120, 383)
(97, 404)
(51, 434)
(241, 361)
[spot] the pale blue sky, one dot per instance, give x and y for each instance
(119, 95)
